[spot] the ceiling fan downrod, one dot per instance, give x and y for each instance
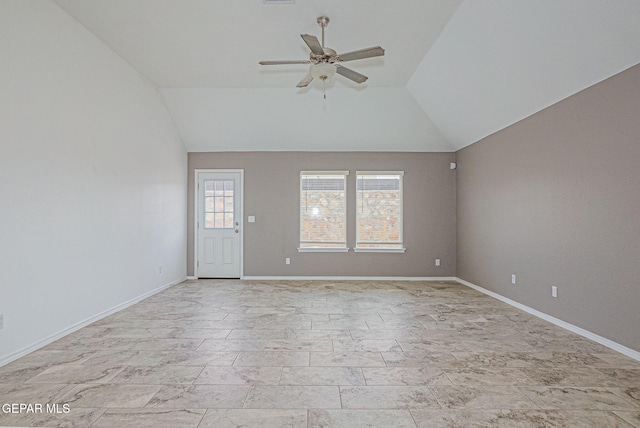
(323, 21)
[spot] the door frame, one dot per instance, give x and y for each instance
(196, 201)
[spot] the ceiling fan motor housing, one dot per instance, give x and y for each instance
(329, 56)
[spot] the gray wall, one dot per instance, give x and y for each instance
(272, 182)
(555, 199)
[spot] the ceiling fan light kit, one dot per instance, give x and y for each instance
(323, 71)
(325, 61)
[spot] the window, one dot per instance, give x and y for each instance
(323, 211)
(379, 211)
(218, 204)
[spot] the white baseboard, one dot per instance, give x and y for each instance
(6, 359)
(349, 278)
(575, 329)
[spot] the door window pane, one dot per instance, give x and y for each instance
(218, 204)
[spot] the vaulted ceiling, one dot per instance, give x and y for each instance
(454, 71)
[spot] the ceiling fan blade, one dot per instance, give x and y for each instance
(313, 43)
(361, 54)
(304, 82)
(285, 62)
(350, 74)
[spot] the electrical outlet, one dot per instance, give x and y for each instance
(554, 291)
(513, 279)
(1, 321)
(287, 261)
(437, 262)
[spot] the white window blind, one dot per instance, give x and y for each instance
(379, 210)
(323, 210)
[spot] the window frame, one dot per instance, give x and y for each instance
(311, 249)
(213, 207)
(401, 248)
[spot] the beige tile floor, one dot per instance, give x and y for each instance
(230, 353)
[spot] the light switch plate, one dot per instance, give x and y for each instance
(252, 219)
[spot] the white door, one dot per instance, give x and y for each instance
(219, 222)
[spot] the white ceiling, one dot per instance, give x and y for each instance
(454, 71)
(499, 61)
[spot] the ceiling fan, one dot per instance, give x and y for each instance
(326, 61)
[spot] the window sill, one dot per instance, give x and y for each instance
(379, 250)
(322, 250)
